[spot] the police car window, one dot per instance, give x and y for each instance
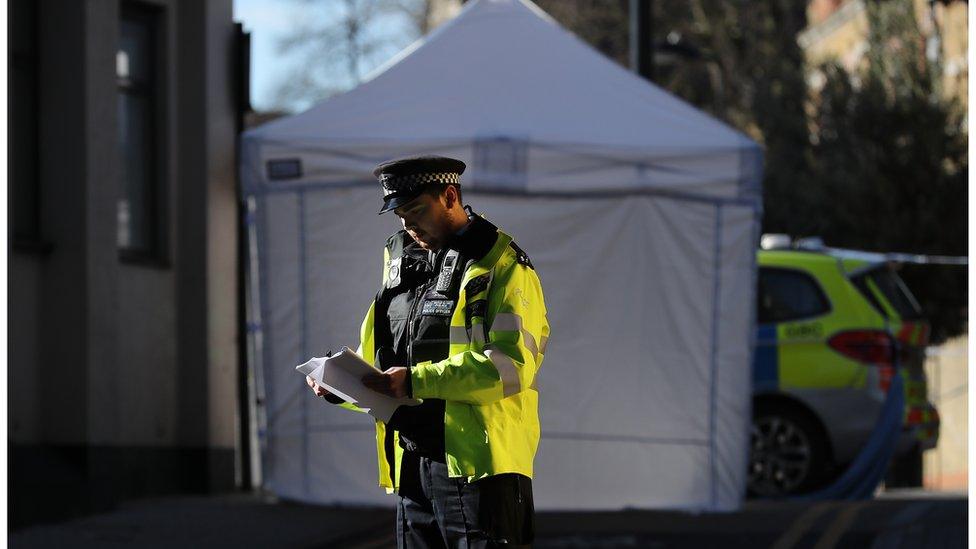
(788, 295)
(896, 293)
(861, 283)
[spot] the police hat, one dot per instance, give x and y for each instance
(404, 179)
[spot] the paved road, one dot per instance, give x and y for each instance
(913, 521)
(905, 519)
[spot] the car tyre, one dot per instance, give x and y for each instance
(789, 453)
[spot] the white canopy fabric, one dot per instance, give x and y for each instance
(640, 213)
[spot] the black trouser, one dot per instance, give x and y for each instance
(437, 511)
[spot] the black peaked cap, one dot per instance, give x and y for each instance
(404, 179)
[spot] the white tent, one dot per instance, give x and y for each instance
(639, 212)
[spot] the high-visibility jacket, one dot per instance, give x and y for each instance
(498, 336)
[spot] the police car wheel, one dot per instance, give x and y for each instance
(787, 452)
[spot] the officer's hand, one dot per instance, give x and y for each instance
(316, 388)
(392, 382)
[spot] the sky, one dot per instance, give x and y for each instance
(268, 21)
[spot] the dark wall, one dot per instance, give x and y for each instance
(122, 379)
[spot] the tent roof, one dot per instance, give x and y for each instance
(505, 68)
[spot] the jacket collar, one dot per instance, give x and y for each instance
(476, 238)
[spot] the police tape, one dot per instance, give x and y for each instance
(927, 259)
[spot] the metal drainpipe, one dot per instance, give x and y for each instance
(242, 56)
(642, 38)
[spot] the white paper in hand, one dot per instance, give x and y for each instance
(342, 375)
(315, 368)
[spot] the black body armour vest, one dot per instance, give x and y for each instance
(413, 317)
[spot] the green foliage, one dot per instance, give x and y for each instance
(604, 24)
(875, 160)
(889, 156)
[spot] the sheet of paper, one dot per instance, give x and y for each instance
(315, 368)
(341, 374)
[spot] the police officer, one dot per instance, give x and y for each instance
(460, 322)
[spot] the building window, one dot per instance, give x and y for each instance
(22, 129)
(137, 65)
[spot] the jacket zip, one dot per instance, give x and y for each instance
(421, 292)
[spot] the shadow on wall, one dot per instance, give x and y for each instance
(54, 483)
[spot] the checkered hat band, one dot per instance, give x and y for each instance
(408, 184)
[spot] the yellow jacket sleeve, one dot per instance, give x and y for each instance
(509, 359)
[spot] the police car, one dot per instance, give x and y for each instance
(833, 327)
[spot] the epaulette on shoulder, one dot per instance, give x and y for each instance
(400, 237)
(397, 242)
(395, 237)
(521, 256)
